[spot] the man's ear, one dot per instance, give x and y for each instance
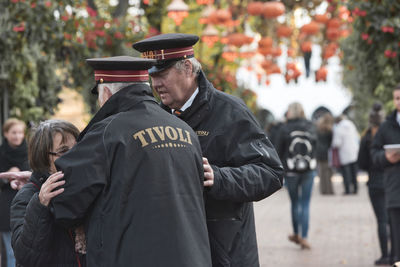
(188, 67)
(107, 92)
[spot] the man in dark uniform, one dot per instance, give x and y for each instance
(135, 177)
(245, 165)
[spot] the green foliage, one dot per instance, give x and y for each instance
(371, 54)
(44, 44)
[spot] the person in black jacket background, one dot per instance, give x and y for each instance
(245, 165)
(36, 239)
(389, 133)
(324, 141)
(296, 147)
(14, 158)
(375, 181)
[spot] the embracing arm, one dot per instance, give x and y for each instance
(254, 171)
(85, 172)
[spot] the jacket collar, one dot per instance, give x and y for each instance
(38, 178)
(121, 101)
(392, 118)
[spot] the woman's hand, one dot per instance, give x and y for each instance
(17, 184)
(25, 175)
(46, 192)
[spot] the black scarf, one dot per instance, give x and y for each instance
(13, 156)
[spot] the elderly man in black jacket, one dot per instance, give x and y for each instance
(389, 160)
(136, 176)
(245, 165)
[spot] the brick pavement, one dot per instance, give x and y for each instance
(342, 230)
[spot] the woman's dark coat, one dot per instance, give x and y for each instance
(364, 161)
(10, 157)
(136, 176)
(246, 168)
(36, 239)
(388, 133)
(324, 141)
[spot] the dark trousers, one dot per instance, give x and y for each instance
(394, 220)
(325, 173)
(349, 173)
(377, 197)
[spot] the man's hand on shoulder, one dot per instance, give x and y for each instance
(208, 173)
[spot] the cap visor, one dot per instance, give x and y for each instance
(160, 67)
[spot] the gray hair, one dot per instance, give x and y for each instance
(115, 87)
(180, 65)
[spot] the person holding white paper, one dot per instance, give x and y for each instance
(389, 160)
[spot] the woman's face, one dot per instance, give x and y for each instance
(15, 135)
(60, 148)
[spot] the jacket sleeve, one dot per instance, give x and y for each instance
(252, 169)
(364, 155)
(377, 151)
(337, 136)
(31, 225)
(85, 174)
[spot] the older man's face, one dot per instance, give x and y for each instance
(173, 87)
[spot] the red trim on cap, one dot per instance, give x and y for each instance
(121, 75)
(169, 53)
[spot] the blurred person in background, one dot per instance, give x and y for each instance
(375, 181)
(346, 140)
(296, 147)
(324, 141)
(13, 158)
(389, 160)
(36, 239)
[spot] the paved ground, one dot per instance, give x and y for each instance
(342, 230)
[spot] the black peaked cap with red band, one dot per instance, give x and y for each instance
(120, 69)
(167, 49)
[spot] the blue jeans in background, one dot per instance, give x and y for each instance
(7, 244)
(300, 186)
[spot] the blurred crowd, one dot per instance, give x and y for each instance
(337, 147)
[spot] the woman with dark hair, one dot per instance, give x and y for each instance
(375, 185)
(36, 239)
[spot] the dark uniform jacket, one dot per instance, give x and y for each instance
(364, 161)
(137, 174)
(36, 239)
(246, 168)
(388, 133)
(10, 157)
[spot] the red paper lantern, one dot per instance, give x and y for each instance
(273, 9)
(306, 46)
(284, 31)
(321, 74)
(310, 28)
(255, 8)
(220, 16)
(322, 18)
(204, 2)
(238, 39)
(265, 42)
